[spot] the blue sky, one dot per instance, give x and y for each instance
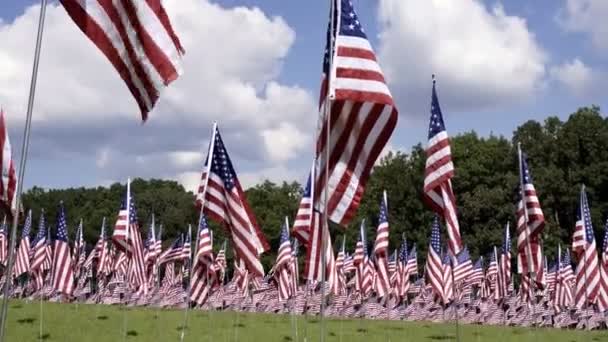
(559, 66)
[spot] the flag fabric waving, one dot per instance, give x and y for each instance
(3, 243)
(462, 266)
(438, 173)
(224, 201)
(283, 265)
(602, 299)
(530, 224)
(583, 244)
(63, 273)
(362, 115)
(8, 185)
(302, 224)
(22, 263)
(434, 264)
(381, 250)
(137, 38)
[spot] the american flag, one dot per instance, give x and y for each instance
(602, 300)
(283, 265)
(381, 250)
(476, 275)
(22, 265)
(313, 264)
(63, 276)
(563, 287)
(295, 270)
(3, 243)
(224, 200)
(173, 253)
(186, 248)
(434, 264)
(150, 244)
(79, 250)
(500, 284)
(204, 269)
(462, 266)
(8, 185)
(492, 266)
(363, 115)
(412, 261)
(438, 173)
(302, 224)
(39, 255)
(127, 238)
(530, 224)
(101, 249)
(448, 280)
(583, 245)
(204, 253)
(341, 276)
(137, 38)
(505, 257)
(402, 281)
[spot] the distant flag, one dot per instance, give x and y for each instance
(224, 201)
(303, 222)
(434, 264)
(63, 276)
(492, 266)
(412, 261)
(79, 252)
(313, 265)
(3, 242)
(505, 257)
(583, 245)
(186, 248)
(203, 266)
(101, 248)
(8, 185)
(39, 246)
(476, 275)
(462, 266)
(381, 250)
(137, 38)
(602, 299)
(173, 253)
(204, 251)
(22, 264)
(295, 270)
(439, 170)
(363, 116)
(562, 296)
(530, 224)
(402, 281)
(150, 244)
(283, 265)
(448, 279)
(500, 287)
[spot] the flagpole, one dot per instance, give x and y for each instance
(329, 97)
(22, 164)
(531, 274)
(582, 212)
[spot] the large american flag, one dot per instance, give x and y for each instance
(8, 185)
(602, 299)
(434, 265)
(302, 224)
(283, 265)
(137, 38)
(3, 243)
(224, 200)
(362, 115)
(530, 224)
(438, 173)
(383, 284)
(22, 265)
(127, 238)
(584, 247)
(63, 276)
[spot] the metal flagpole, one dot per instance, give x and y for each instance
(531, 274)
(130, 262)
(24, 150)
(455, 294)
(582, 209)
(328, 99)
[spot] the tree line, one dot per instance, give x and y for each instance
(562, 155)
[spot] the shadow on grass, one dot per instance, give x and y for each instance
(239, 325)
(313, 321)
(477, 333)
(287, 338)
(45, 337)
(517, 331)
(102, 318)
(16, 306)
(181, 327)
(362, 330)
(395, 328)
(440, 337)
(331, 333)
(28, 320)
(132, 333)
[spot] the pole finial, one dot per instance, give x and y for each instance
(433, 78)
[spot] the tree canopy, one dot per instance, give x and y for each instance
(562, 155)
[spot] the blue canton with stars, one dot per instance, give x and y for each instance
(150, 238)
(566, 261)
(525, 171)
(605, 244)
(477, 265)
(62, 226)
(586, 217)
(436, 125)
(294, 247)
(41, 229)
(284, 234)
(221, 164)
(362, 237)
(383, 218)
(436, 236)
(463, 256)
(202, 225)
(349, 26)
(506, 246)
(446, 258)
(403, 251)
(27, 227)
(413, 254)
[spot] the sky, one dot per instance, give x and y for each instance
(254, 67)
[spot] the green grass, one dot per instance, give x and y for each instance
(71, 322)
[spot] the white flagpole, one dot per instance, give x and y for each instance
(24, 150)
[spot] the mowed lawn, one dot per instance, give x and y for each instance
(71, 322)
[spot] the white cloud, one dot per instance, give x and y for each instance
(586, 16)
(575, 75)
(83, 108)
(484, 58)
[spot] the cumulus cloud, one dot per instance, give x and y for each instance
(484, 58)
(83, 108)
(589, 17)
(575, 75)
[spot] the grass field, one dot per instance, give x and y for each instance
(71, 322)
